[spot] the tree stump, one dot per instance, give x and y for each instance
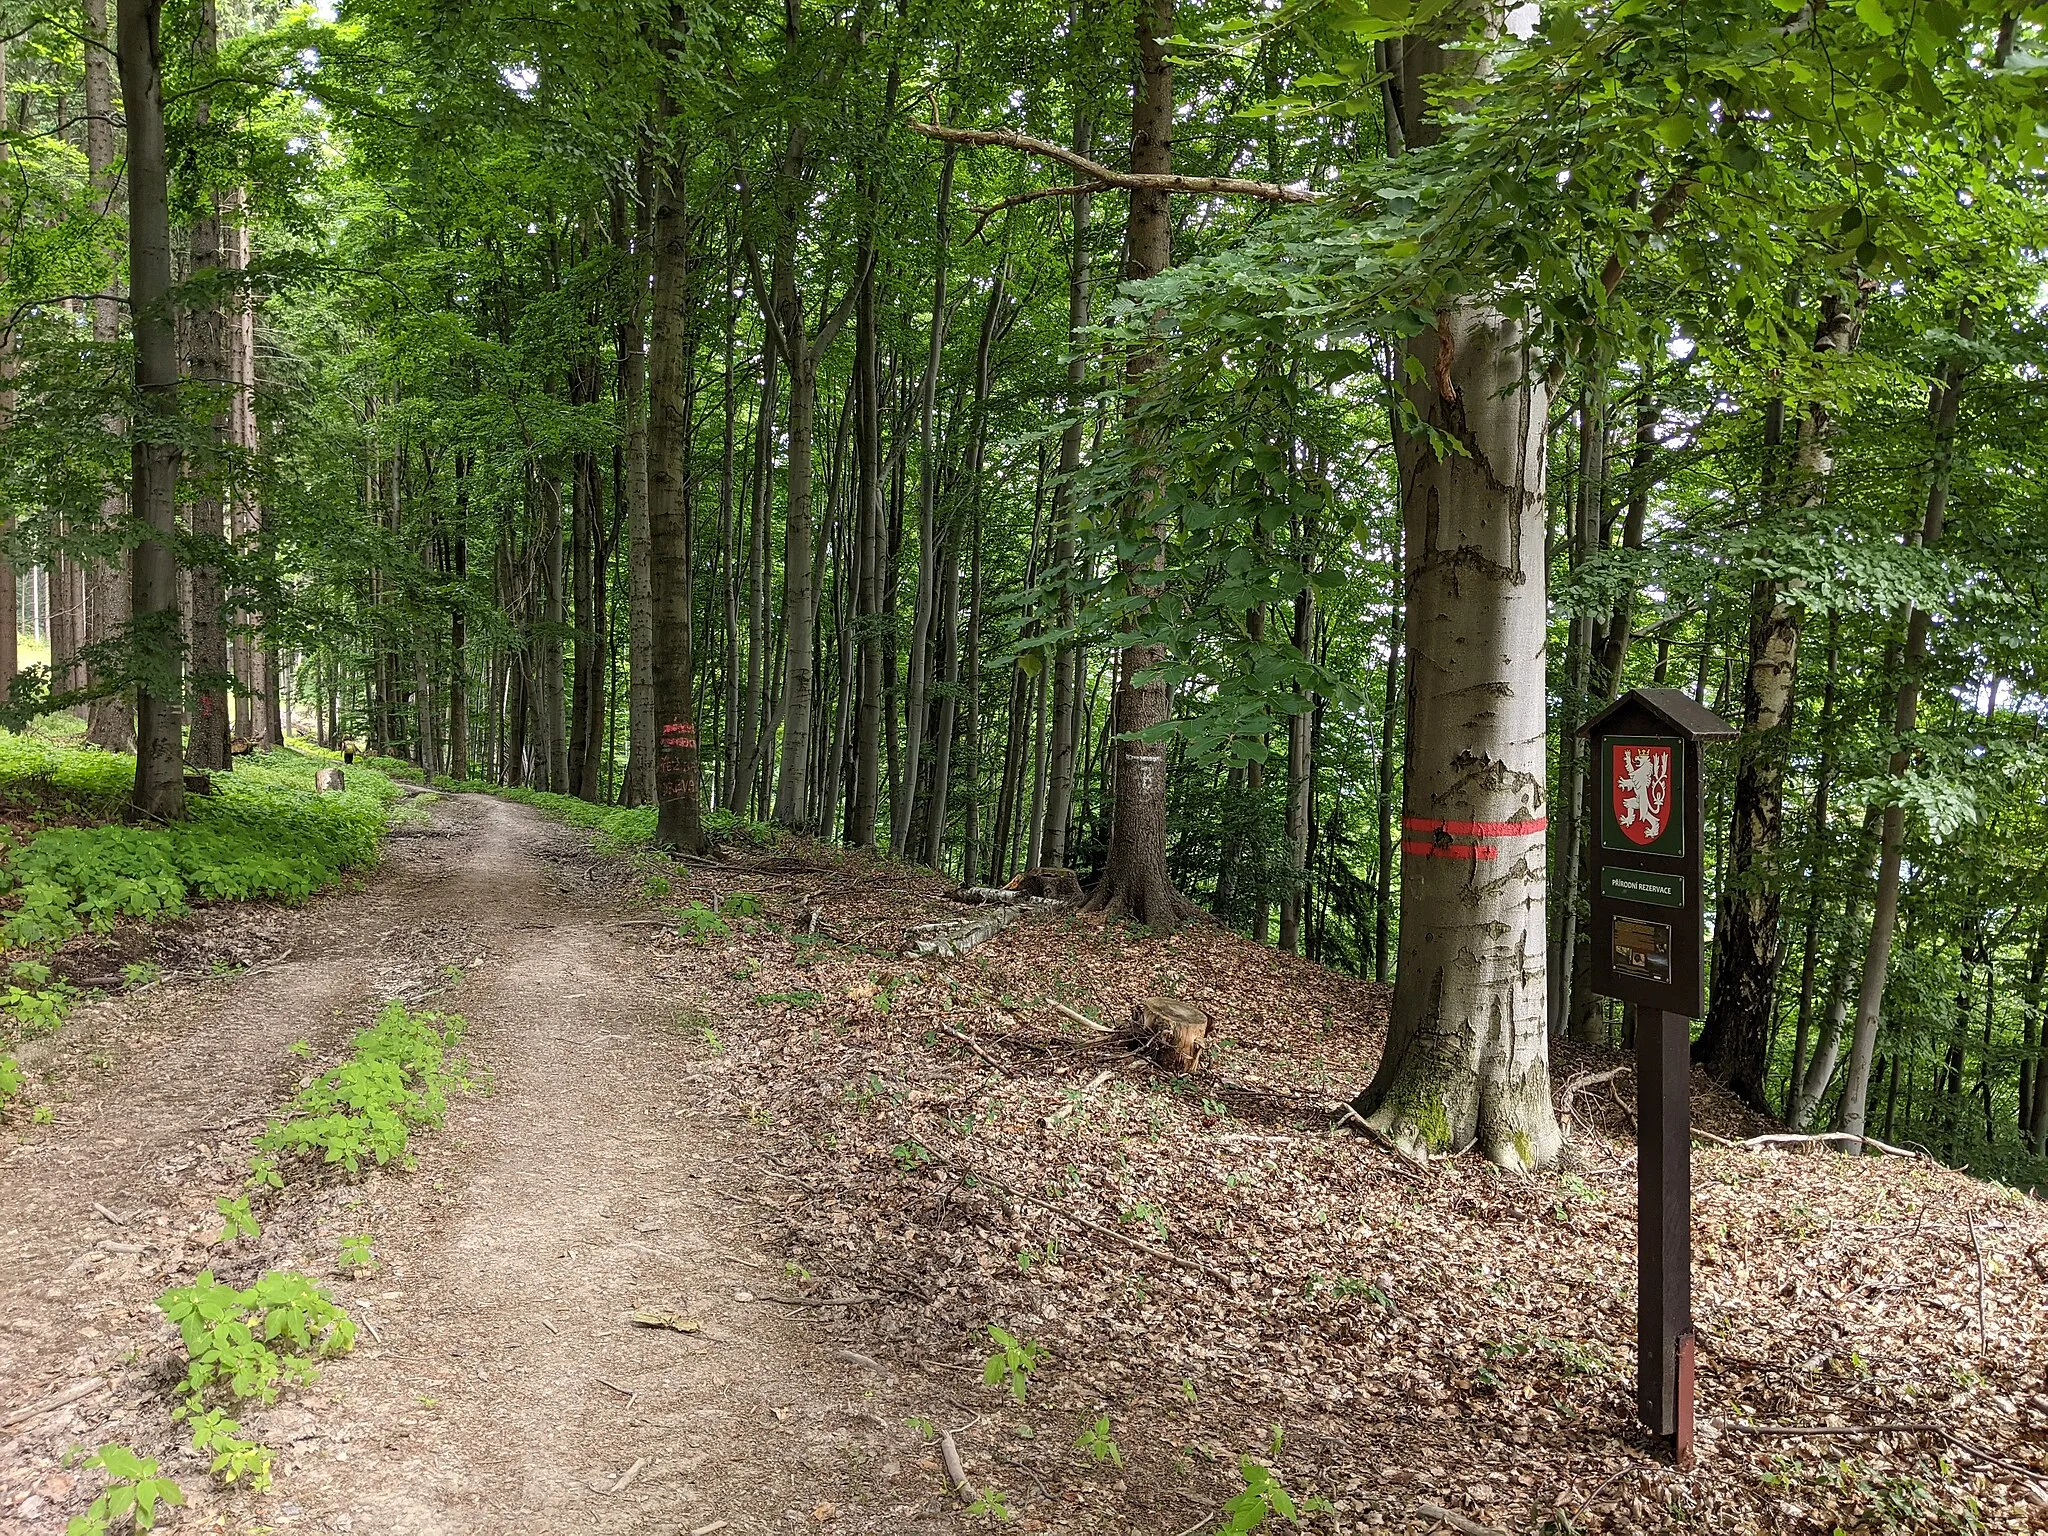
(198, 783)
(1048, 885)
(329, 781)
(1175, 1032)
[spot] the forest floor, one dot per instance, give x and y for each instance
(846, 1165)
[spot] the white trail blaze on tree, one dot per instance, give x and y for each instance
(1467, 1054)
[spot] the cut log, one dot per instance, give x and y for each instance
(984, 896)
(329, 780)
(1061, 885)
(1175, 1032)
(950, 940)
(198, 783)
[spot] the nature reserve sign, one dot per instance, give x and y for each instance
(1648, 948)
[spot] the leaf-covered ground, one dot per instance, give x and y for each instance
(1208, 1264)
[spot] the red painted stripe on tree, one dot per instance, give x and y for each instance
(1475, 828)
(1479, 851)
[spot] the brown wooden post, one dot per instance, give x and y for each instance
(1647, 930)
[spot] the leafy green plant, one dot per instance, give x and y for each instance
(248, 1345)
(236, 1219)
(12, 1083)
(131, 1498)
(741, 904)
(1147, 1213)
(1265, 1497)
(699, 924)
(1098, 1446)
(396, 1080)
(1012, 1363)
(357, 1252)
(801, 998)
(991, 1501)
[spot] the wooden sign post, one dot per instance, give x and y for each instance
(1648, 936)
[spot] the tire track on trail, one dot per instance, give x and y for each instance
(499, 1385)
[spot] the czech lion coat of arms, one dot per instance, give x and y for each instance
(1640, 780)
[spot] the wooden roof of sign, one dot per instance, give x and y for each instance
(1673, 706)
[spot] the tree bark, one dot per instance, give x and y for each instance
(1135, 883)
(1748, 932)
(642, 732)
(206, 335)
(679, 816)
(1466, 1059)
(109, 722)
(1944, 403)
(903, 799)
(159, 767)
(10, 657)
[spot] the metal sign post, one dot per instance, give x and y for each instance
(1648, 936)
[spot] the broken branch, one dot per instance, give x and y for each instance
(1102, 175)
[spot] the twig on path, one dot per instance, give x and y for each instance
(1078, 1099)
(626, 1392)
(858, 1298)
(956, 1474)
(1788, 1139)
(971, 1044)
(716, 1525)
(1839, 1431)
(1084, 1223)
(1200, 1524)
(1077, 1016)
(1456, 1522)
(1574, 1086)
(628, 1475)
(369, 1324)
(1978, 1249)
(117, 1219)
(68, 1396)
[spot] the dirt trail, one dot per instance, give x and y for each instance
(503, 1389)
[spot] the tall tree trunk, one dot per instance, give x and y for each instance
(1588, 520)
(632, 397)
(1466, 1058)
(109, 722)
(1748, 934)
(903, 799)
(679, 820)
(10, 595)
(1944, 403)
(159, 766)
(206, 335)
(1135, 883)
(1816, 856)
(1299, 768)
(1066, 667)
(863, 809)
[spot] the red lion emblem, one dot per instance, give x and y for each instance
(1641, 783)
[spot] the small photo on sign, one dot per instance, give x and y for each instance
(1642, 948)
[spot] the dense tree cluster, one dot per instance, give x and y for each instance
(1227, 450)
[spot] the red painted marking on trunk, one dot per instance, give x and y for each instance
(1483, 852)
(1475, 828)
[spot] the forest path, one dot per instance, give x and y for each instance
(504, 1388)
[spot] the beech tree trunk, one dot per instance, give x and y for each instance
(109, 722)
(679, 817)
(1943, 406)
(159, 764)
(1135, 883)
(206, 335)
(10, 658)
(632, 395)
(1749, 942)
(1066, 666)
(1467, 1046)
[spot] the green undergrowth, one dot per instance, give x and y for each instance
(618, 827)
(68, 864)
(396, 1080)
(246, 1346)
